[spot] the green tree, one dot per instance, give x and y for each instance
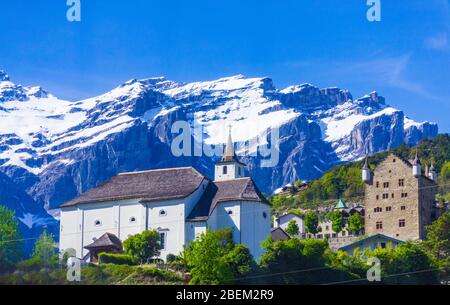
(292, 228)
(438, 240)
(284, 261)
(213, 258)
(44, 249)
(10, 244)
(311, 222)
(337, 221)
(143, 246)
(356, 223)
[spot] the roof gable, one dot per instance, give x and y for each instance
(243, 189)
(106, 240)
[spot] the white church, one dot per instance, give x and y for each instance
(180, 203)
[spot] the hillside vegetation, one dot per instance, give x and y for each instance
(344, 181)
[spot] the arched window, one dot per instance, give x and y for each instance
(132, 219)
(264, 215)
(97, 223)
(162, 213)
(230, 212)
(224, 170)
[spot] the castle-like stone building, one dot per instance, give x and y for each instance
(399, 198)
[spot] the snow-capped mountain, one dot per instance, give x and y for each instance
(55, 149)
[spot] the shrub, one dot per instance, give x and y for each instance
(117, 259)
(143, 246)
(171, 258)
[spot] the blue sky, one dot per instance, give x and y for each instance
(405, 57)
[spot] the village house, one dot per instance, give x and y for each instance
(180, 203)
(371, 243)
(399, 198)
(284, 220)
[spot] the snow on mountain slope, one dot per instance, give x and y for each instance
(56, 149)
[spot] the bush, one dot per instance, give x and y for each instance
(117, 259)
(171, 258)
(32, 264)
(143, 246)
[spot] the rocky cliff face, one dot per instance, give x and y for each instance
(53, 149)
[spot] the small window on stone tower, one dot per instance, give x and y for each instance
(224, 170)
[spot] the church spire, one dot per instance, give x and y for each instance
(229, 153)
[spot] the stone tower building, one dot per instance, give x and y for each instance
(399, 198)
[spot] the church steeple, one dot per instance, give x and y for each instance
(229, 167)
(229, 153)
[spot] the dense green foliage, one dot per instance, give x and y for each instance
(292, 228)
(118, 259)
(213, 258)
(296, 261)
(143, 246)
(10, 245)
(356, 223)
(438, 243)
(311, 222)
(104, 274)
(44, 249)
(406, 264)
(337, 221)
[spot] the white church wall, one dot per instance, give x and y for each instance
(168, 217)
(226, 215)
(192, 200)
(70, 230)
(284, 221)
(233, 171)
(194, 229)
(255, 226)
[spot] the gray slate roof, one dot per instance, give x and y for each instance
(106, 240)
(149, 186)
(279, 234)
(242, 189)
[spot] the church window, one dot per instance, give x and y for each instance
(378, 197)
(378, 184)
(264, 214)
(392, 195)
(224, 170)
(132, 219)
(379, 225)
(401, 223)
(393, 160)
(378, 210)
(403, 208)
(385, 196)
(162, 213)
(401, 182)
(388, 209)
(386, 184)
(230, 212)
(404, 195)
(97, 223)
(162, 236)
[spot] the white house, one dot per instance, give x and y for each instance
(284, 220)
(178, 202)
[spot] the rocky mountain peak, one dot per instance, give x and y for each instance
(3, 76)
